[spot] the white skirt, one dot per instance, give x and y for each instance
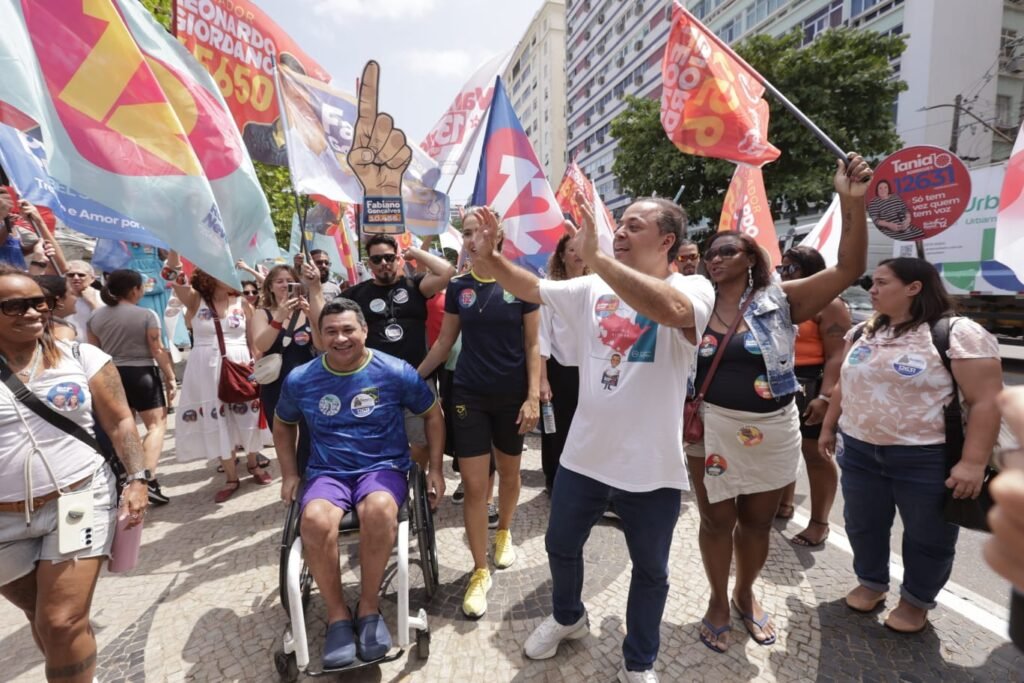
(746, 452)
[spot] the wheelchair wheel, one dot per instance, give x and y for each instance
(287, 667)
(288, 536)
(423, 520)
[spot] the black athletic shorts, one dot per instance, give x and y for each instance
(143, 387)
(482, 420)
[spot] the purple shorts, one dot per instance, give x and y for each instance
(347, 492)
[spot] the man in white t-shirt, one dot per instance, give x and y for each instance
(80, 277)
(638, 326)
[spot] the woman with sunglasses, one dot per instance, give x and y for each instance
(819, 356)
(751, 445)
(497, 401)
(44, 571)
(282, 327)
(251, 292)
(132, 336)
(62, 302)
(206, 426)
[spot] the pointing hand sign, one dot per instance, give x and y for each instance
(380, 153)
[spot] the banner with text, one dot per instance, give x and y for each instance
(239, 45)
(710, 103)
(746, 209)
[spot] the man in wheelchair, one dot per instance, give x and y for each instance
(352, 399)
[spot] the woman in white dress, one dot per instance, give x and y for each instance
(206, 426)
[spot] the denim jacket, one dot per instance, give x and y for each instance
(769, 322)
(773, 329)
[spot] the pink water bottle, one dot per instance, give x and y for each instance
(124, 552)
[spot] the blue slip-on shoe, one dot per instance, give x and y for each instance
(374, 640)
(339, 645)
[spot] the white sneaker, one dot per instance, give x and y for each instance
(543, 642)
(626, 676)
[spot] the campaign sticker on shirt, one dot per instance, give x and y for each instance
(606, 305)
(715, 465)
(254, 406)
(467, 297)
(859, 355)
(363, 404)
(66, 396)
(235, 320)
(708, 346)
(750, 344)
(150, 285)
(189, 416)
(394, 332)
(509, 297)
(239, 408)
(204, 314)
(762, 388)
(910, 365)
(378, 305)
(301, 338)
(329, 405)
(749, 436)
(401, 296)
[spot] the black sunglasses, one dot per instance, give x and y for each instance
(377, 259)
(250, 292)
(787, 270)
(322, 263)
(19, 307)
(725, 251)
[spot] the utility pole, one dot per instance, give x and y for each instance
(954, 136)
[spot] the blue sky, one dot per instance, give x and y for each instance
(426, 49)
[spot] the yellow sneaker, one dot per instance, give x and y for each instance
(475, 603)
(504, 551)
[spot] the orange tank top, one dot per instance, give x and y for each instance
(809, 348)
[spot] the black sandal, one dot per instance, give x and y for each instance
(801, 539)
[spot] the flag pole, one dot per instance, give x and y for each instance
(792, 108)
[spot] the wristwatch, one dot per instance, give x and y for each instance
(142, 475)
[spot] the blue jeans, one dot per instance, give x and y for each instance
(877, 481)
(648, 519)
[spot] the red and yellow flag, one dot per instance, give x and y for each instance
(746, 209)
(711, 104)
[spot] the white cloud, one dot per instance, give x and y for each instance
(340, 10)
(444, 63)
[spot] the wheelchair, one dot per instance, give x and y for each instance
(415, 521)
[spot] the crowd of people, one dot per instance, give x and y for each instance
(352, 381)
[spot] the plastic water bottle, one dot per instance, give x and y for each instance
(547, 413)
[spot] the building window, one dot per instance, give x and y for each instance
(1004, 111)
(862, 6)
(830, 17)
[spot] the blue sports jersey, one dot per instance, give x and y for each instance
(493, 357)
(355, 419)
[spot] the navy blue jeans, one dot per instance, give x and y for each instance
(648, 519)
(877, 481)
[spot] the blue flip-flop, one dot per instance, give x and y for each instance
(760, 624)
(717, 633)
(373, 638)
(339, 645)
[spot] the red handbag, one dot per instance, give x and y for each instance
(236, 383)
(693, 423)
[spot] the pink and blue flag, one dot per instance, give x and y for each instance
(511, 180)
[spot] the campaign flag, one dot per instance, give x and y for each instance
(711, 104)
(746, 209)
(824, 237)
(575, 181)
(239, 45)
(1009, 237)
(128, 119)
(511, 180)
(24, 159)
(319, 124)
(451, 140)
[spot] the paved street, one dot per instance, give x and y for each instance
(203, 606)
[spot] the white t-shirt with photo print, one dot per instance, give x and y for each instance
(64, 389)
(628, 428)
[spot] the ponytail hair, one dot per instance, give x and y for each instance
(118, 285)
